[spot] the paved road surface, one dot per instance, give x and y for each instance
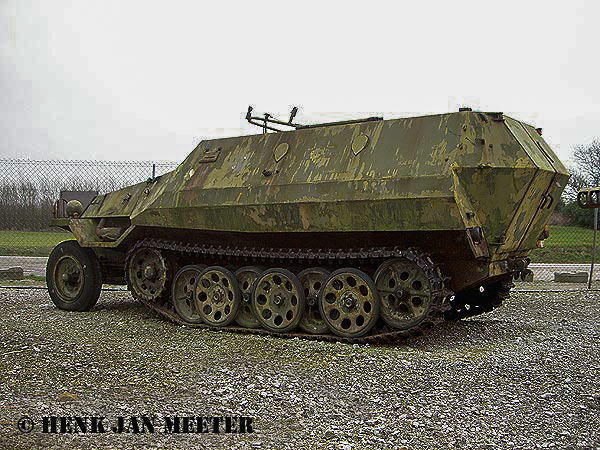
(542, 272)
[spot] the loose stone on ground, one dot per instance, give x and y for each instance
(523, 376)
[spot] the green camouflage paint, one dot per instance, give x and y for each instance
(448, 172)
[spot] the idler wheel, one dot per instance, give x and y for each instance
(217, 296)
(246, 276)
(184, 286)
(312, 281)
(147, 273)
(349, 303)
(405, 293)
(278, 300)
(73, 277)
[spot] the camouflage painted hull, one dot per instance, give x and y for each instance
(360, 232)
(421, 181)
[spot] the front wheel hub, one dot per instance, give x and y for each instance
(67, 280)
(66, 277)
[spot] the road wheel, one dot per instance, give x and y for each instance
(278, 300)
(184, 286)
(217, 296)
(312, 280)
(349, 303)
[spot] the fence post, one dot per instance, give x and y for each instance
(590, 198)
(593, 248)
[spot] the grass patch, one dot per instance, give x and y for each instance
(28, 280)
(566, 245)
(35, 278)
(561, 236)
(562, 255)
(31, 243)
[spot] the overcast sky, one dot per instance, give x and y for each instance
(148, 79)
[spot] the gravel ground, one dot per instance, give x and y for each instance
(524, 376)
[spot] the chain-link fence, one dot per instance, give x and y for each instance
(29, 198)
(567, 254)
(29, 191)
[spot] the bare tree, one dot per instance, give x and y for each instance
(28, 189)
(586, 172)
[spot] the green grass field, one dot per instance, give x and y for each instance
(30, 243)
(565, 244)
(561, 236)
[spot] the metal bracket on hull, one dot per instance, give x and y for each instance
(267, 121)
(89, 234)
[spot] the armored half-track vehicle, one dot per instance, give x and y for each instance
(358, 231)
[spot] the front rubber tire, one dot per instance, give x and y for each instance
(73, 277)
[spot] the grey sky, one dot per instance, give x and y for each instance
(147, 80)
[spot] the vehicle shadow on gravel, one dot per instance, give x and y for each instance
(479, 332)
(121, 306)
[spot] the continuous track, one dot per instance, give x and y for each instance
(474, 301)
(440, 309)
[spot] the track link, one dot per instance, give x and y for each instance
(380, 334)
(475, 302)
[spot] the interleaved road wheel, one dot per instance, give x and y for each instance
(278, 300)
(349, 303)
(312, 280)
(246, 276)
(217, 296)
(184, 286)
